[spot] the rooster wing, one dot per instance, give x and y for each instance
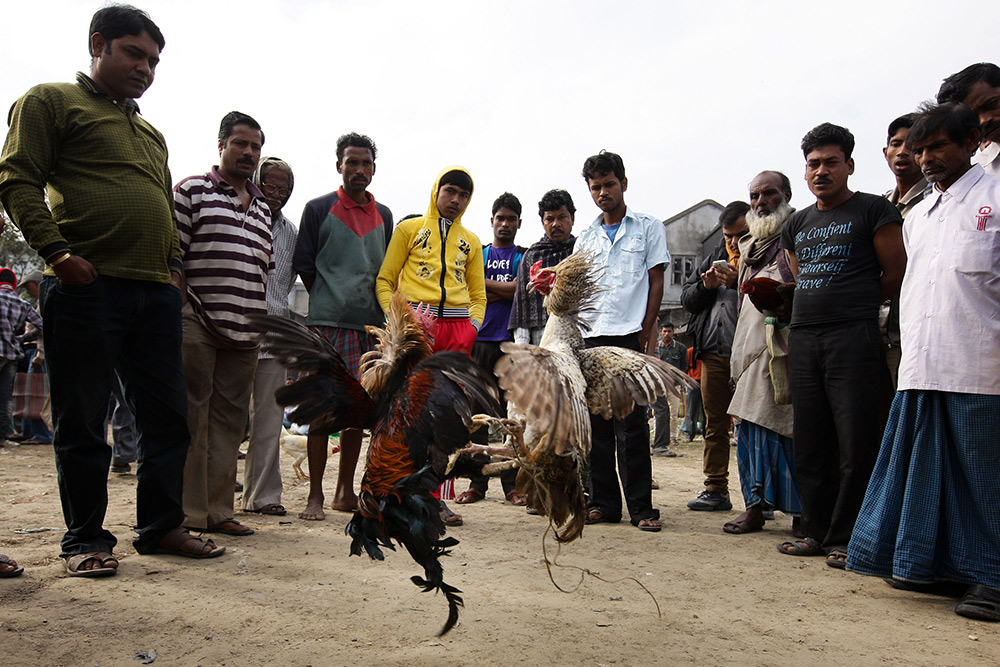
(619, 378)
(548, 388)
(329, 398)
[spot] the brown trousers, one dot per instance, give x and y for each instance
(716, 395)
(219, 381)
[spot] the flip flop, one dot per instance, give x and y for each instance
(807, 546)
(469, 497)
(649, 527)
(450, 518)
(230, 527)
(518, 499)
(981, 603)
(596, 516)
(742, 525)
(5, 560)
(837, 559)
(173, 543)
(74, 561)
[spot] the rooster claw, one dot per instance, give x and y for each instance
(497, 424)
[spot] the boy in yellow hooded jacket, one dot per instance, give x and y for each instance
(437, 261)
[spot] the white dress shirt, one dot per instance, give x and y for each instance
(639, 245)
(989, 158)
(950, 302)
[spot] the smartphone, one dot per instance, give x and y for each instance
(720, 264)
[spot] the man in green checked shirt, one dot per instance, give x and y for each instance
(110, 298)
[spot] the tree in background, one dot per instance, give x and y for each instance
(15, 253)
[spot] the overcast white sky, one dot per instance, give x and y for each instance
(696, 97)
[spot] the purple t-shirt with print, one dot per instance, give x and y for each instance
(499, 266)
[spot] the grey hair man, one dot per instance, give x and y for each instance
(764, 433)
(262, 477)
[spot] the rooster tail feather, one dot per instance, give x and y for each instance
(556, 490)
(434, 574)
(401, 345)
(366, 536)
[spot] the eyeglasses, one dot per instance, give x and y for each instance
(274, 189)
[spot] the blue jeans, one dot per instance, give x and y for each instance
(90, 331)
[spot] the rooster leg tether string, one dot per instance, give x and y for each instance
(549, 564)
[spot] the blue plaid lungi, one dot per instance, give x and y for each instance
(932, 509)
(767, 469)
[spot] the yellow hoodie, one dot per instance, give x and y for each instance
(417, 252)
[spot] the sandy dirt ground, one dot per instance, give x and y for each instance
(290, 595)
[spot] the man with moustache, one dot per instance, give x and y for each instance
(931, 515)
(764, 433)
(847, 253)
(978, 87)
(527, 314)
(342, 241)
(110, 296)
(911, 188)
(710, 295)
(224, 226)
(631, 250)
(262, 476)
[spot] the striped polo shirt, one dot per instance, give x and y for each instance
(227, 253)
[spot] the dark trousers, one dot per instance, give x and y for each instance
(716, 392)
(90, 331)
(626, 441)
(487, 354)
(837, 374)
(8, 373)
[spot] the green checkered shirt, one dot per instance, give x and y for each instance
(107, 178)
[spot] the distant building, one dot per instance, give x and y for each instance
(691, 235)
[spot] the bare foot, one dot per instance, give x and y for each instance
(313, 511)
(348, 504)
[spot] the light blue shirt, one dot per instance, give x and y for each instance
(639, 245)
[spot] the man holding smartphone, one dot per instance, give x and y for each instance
(710, 295)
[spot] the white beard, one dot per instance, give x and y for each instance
(764, 227)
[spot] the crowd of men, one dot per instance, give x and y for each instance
(856, 355)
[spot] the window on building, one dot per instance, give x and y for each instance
(683, 266)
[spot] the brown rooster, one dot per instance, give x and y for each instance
(419, 408)
(558, 383)
(767, 294)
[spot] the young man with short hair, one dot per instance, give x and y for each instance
(342, 242)
(502, 259)
(433, 259)
(710, 295)
(847, 253)
(911, 187)
(631, 250)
